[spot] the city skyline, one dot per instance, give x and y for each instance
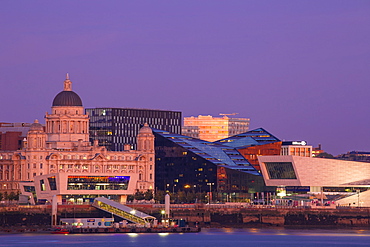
(298, 69)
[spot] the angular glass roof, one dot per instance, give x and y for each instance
(216, 153)
(251, 138)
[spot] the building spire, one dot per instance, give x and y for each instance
(67, 84)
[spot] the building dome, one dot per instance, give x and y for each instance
(36, 126)
(67, 97)
(145, 129)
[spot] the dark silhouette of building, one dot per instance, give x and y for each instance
(355, 156)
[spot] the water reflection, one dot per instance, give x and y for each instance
(207, 238)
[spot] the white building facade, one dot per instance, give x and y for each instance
(349, 180)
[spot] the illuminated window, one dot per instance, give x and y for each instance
(42, 185)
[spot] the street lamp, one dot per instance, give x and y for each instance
(163, 212)
(358, 197)
(210, 192)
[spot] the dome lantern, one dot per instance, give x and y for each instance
(67, 97)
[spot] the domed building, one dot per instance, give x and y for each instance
(58, 159)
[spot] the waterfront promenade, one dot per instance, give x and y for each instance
(205, 215)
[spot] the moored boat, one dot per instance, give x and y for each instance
(60, 231)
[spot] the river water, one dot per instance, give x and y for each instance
(226, 237)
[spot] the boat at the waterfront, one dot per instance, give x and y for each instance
(60, 231)
(107, 225)
(135, 230)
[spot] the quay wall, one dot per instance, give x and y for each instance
(20, 216)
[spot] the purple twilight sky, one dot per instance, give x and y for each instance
(299, 69)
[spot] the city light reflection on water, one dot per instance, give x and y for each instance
(133, 234)
(207, 238)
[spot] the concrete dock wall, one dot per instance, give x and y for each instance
(206, 217)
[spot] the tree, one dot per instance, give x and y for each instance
(325, 155)
(139, 195)
(159, 196)
(12, 196)
(190, 197)
(181, 196)
(201, 197)
(148, 195)
(130, 198)
(6, 196)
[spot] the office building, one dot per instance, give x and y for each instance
(317, 151)
(211, 128)
(12, 134)
(296, 148)
(114, 127)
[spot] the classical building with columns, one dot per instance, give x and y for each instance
(58, 159)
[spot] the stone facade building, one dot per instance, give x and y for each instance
(58, 159)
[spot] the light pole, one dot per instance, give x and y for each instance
(358, 198)
(210, 192)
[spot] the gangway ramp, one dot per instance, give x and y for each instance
(123, 211)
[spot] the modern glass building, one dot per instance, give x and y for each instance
(254, 143)
(115, 127)
(186, 163)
